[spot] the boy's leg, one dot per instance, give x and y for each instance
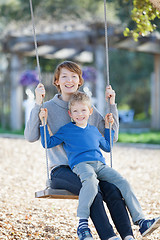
(115, 204)
(89, 188)
(64, 178)
(106, 173)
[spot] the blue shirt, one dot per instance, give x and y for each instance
(80, 144)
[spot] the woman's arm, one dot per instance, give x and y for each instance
(110, 96)
(31, 131)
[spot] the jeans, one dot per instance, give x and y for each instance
(89, 173)
(64, 178)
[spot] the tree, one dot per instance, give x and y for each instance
(139, 16)
(143, 14)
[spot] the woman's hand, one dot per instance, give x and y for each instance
(110, 94)
(109, 119)
(40, 93)
(43, 115)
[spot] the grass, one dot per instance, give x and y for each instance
(152, 137)
(8, 131)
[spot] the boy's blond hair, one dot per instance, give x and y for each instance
(79, 97)
(71, 66)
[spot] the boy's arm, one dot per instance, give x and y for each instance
(52, 141)
(105, 141)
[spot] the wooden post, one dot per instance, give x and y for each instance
(100, 82)
(155, 96)
(16, 93)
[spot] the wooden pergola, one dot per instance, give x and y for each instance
(81, 42)
(149, 44)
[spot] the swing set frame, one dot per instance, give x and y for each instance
(48, 192)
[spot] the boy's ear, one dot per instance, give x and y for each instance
(91, 111)
(69, 113)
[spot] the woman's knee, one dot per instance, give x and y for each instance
(109, 191)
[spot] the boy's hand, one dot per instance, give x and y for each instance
(43, 115)
(110, 94)
(109, 119)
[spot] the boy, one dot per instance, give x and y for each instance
(82, 143)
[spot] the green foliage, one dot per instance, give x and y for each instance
(57, 9)
(143, 14)
(140, 100)
(139, 16)
(133, 72)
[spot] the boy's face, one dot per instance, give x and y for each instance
(68, 81)
(80, 112)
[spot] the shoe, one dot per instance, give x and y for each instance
(129, 237)
(84, 234)
(148, 226)
(115, 238)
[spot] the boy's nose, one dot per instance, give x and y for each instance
(69, 79)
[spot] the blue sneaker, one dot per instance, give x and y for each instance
(84, 234)
(148, 226)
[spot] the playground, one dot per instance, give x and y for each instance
(23, 171)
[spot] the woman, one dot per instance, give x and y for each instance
(68, 79)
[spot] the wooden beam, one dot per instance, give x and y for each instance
(60, 40)
(155, 94)
(16, 92)
(100, 82)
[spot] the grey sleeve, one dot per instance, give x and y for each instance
(115, 127)
(32, 132)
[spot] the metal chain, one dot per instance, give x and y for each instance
(40, 80)
(107, 73)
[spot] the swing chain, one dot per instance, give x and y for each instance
(107, 73)
(48, 182)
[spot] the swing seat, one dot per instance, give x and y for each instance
(55, 194)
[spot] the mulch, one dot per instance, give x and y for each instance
(23, 171)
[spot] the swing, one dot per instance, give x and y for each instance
(48, 192)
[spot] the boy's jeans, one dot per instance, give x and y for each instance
(88, 172)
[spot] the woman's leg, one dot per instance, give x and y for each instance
(106, 173)
(117, 208)
(64, 178)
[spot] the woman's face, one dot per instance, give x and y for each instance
(68, 81)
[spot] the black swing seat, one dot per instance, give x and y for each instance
(55, 194)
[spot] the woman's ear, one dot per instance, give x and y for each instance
(56, 82)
